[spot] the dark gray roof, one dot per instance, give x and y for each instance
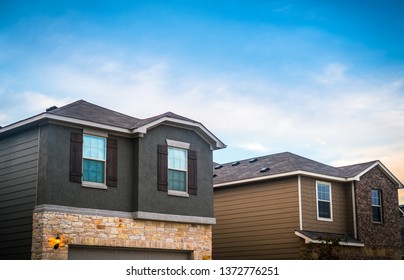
(86, 111)
(278, 164)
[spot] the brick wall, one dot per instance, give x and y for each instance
(77, 229)
(387, 233)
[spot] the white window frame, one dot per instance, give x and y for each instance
(185, 146)
(88, 184)
(317, 200)
(374, 205)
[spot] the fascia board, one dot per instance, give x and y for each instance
(23, 122)
(293, 173)
(385, 170)
(197, 127)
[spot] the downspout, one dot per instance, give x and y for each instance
(354, 209)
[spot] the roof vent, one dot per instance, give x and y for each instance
(218, 166)
(51, 108)
(252, 160)
(235, 163)
(265, 169)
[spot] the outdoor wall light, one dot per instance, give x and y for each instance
(56, 242)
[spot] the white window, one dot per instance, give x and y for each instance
(177, 169)
(376, 206)
(324, 201)
(94, 157)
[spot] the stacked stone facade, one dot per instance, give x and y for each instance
(95, 230)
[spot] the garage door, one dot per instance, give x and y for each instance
(113, 253)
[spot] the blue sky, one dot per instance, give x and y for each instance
(321, 79)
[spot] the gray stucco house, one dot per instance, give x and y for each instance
(86, 182)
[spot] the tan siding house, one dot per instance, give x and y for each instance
(259, 223)
(285, 206)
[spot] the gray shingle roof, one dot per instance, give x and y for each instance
(86, 111)
(279, 164)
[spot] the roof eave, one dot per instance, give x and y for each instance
(57, 118)
(286, 174)
(315, 241)
(384, 169)
(202, 131)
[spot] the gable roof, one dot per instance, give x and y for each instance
(287, 164)
(84, 113)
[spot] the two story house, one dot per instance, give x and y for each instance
(85, 182)
(285, 206)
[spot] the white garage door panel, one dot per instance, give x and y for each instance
(105, 253)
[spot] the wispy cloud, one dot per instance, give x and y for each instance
(331, 74)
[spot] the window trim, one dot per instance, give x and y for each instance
(380, 205)
(184, 146)
(317, 200)
(90, 184)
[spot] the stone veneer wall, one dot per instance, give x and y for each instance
(96, 230)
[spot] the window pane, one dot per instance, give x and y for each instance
(94, 147)
(93, 171)
(176, 180)
(324, 209)
(323, 192)
(376, 197)
(376, 212)
(177, 158)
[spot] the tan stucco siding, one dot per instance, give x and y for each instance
(257, 221)
(342, 219)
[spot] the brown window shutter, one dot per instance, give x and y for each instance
(76, 154)
(112, 162)
(162, 168)
(192, 172)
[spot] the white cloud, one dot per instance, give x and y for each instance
(254, 147)
(356, 121)
(331, 74)
(3, 117)
(38, 102)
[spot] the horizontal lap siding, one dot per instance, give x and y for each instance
(18, 181)
(257, 221)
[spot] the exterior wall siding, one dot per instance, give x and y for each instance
(18, 188)
(110, 231)
(257, 221)
(387, 233)
(342, 219)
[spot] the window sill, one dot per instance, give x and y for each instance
(94, 185)
(324, 219)
(177, 193)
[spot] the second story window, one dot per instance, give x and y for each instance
(94, 157)
(324, 207)
(376, 206)
(177, 169)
